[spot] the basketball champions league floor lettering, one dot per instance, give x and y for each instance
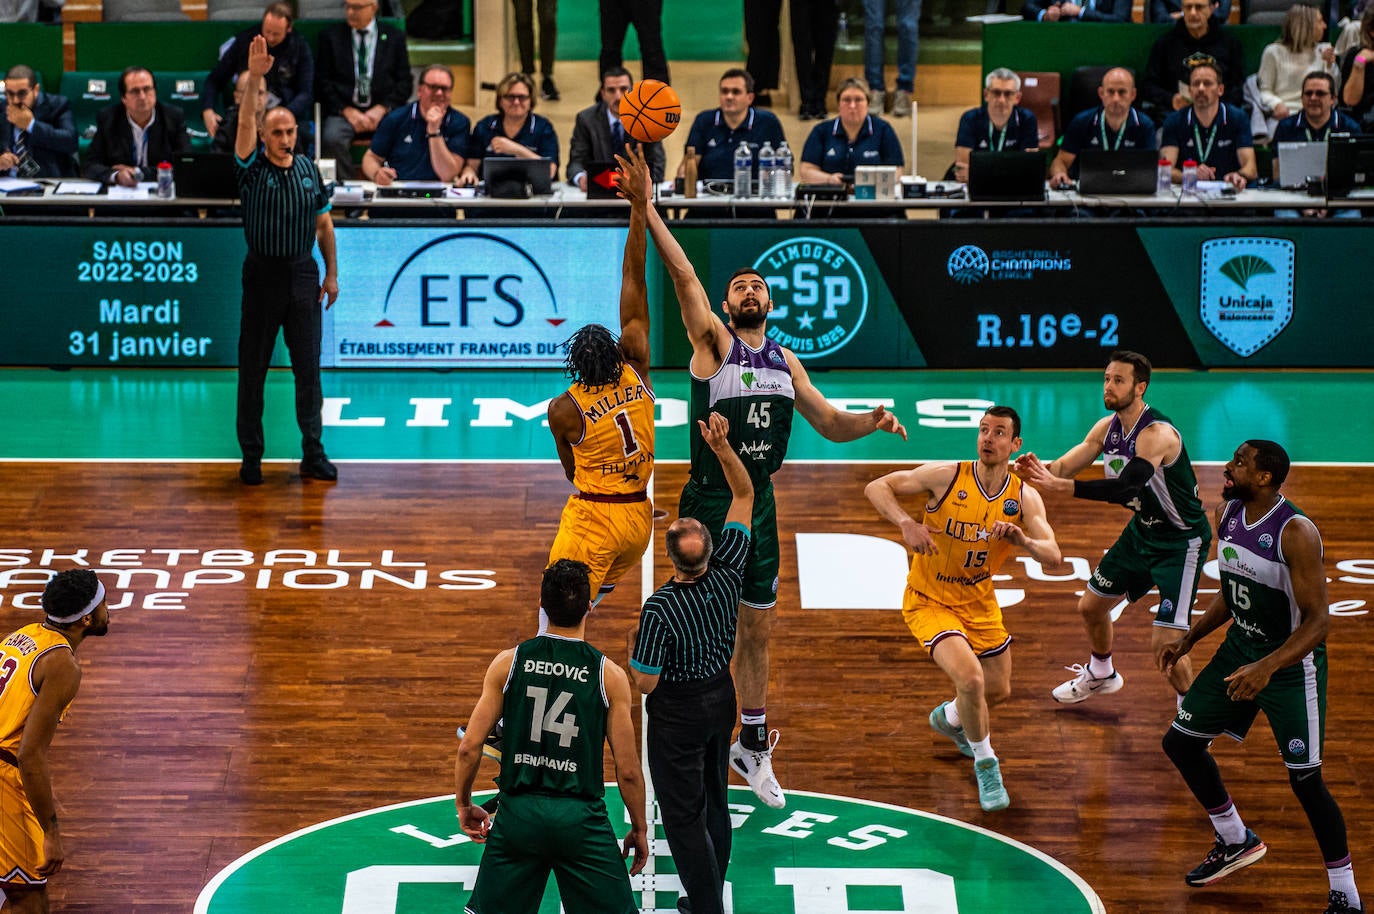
(821, 855)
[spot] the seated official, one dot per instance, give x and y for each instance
(1000, 125)
(515, 131)
(1196, 37)
(37, 134)
(1318, 118)
(136, 134)
(1210, 132)
(362, 74)
(1069, 11)
(598, 135)
(290, 82)
(716, 134)
(227, 134)
(423, 141)
(1112, 125)
(836, 147)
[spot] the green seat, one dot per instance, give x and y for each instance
(89, 92)
(182, 88)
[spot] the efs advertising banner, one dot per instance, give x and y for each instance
(435, 297)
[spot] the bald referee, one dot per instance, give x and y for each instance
(681, 661)
(285, 211)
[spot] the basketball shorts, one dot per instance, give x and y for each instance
(1294, 701)
(761, 574)
(535, 835)
(1134, 565)
(609, 536)
(21, 837)
(932, 622)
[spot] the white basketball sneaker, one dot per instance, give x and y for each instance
(757, 769)
(1085, 685)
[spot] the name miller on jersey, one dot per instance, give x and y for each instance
(621, 396)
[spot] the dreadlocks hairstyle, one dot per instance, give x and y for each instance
(594, 357)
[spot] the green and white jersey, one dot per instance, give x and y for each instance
(555, 719)
(1256, 581)
(1168, 507)
(753, 391)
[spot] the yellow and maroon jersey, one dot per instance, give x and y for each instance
(615, 454)
(961, 524)
(18, 653)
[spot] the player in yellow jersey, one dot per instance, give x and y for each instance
(974, 513)
(603, 425)
(39, 677)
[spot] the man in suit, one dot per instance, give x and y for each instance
(598, 135)
(133, 136)
(37, 135)
(362, 74)
(1071, 11)
(290, 82)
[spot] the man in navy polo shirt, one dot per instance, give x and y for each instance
(1318, 118)
(1210, 132)
(715, 135)
(1112, 125)
(999, 125)
(426, 140)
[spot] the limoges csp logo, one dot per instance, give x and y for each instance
(1246, 294)
(820, 295)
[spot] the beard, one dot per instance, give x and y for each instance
(1116, 405)
(98, 629)
(750, 321)
(1236, 492)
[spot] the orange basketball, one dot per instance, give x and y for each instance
(650, 111)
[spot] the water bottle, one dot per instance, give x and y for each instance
(1164, 184)
(784, 183)
(164, 180)
(1190, 176)
(744, 167)
(768, 172)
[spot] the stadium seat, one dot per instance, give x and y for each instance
(182, 90)
(1040, 95)
(319, 9)
(233, 11)
(89, 92)
(143, 11)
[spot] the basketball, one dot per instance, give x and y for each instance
(650, 111)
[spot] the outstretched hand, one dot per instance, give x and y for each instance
(259, 61)
(633, 181)
(887, 422)
(715, 431)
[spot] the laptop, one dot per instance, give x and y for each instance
(1006, 176)
(205, 175)
(601, 181)
(1300, 161)
(1349, 165)
(1116, 173)
(510, 178)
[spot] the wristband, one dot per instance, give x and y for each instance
(1361, 59)
(434, 136)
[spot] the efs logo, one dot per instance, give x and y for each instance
(469, 280)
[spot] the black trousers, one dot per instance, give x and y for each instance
(815, 25)
(765, 48)
(279, 294)
(647, 17)
(690, 731)
(548, 34)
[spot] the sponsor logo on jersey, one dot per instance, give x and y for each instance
(961, 495)
(1011, 506)
(1266, 541)
(1246, 290)
(820, 295)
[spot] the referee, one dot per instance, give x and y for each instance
(681, 661)
(285, 211)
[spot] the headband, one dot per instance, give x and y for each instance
(90, 607)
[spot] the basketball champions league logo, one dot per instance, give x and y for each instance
(819, 292)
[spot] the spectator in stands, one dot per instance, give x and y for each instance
(1285, 63)
(1112, 125)
(290, 82)
(1069, 11)
(765, 46)
(514, 131)
(135, 134)
(1168, 10)
(37, 134)
(227, 134)
(548, 42)
(598, 135)
(999, 125)
(815, 25)
(1196, 36)
(908, 42)
(836, 147)
(27, 10)
(423, 141)
(715, 135)
(363, 74)
(1211, 132)
(647, 17)
(1357, 91)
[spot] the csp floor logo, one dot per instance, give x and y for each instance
(820, 295)
(822, 855)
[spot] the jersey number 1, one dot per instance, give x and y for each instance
(546, 719)
(627, 432)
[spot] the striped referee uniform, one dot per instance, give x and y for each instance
(687, 637)
(281, 292)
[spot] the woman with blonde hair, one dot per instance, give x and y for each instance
(1300, 50)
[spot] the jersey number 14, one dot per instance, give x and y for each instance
(547, 718)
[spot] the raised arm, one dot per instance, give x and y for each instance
(715, 432)
(885, 492)
(259, 62)
(705, 329)
(634, 295)
(487, 712)
(57, 678)
(836, 424)
(620, 733)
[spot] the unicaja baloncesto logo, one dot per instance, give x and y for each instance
(1246, 290)
(820, 295)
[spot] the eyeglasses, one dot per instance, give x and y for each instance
(436, 88)
(1002, 93)
(853, 100)
(140, 90)
(1315, 93)
(725, 91)
(516, 98)
(20, 94)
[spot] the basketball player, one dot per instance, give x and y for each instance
(562, 699)
(1165, 544)
(1273, 659)
(755, 384)
(39, 678)
(973, 513)
(603, 426)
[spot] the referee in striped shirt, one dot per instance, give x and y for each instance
(285, 211)
(681, 662)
